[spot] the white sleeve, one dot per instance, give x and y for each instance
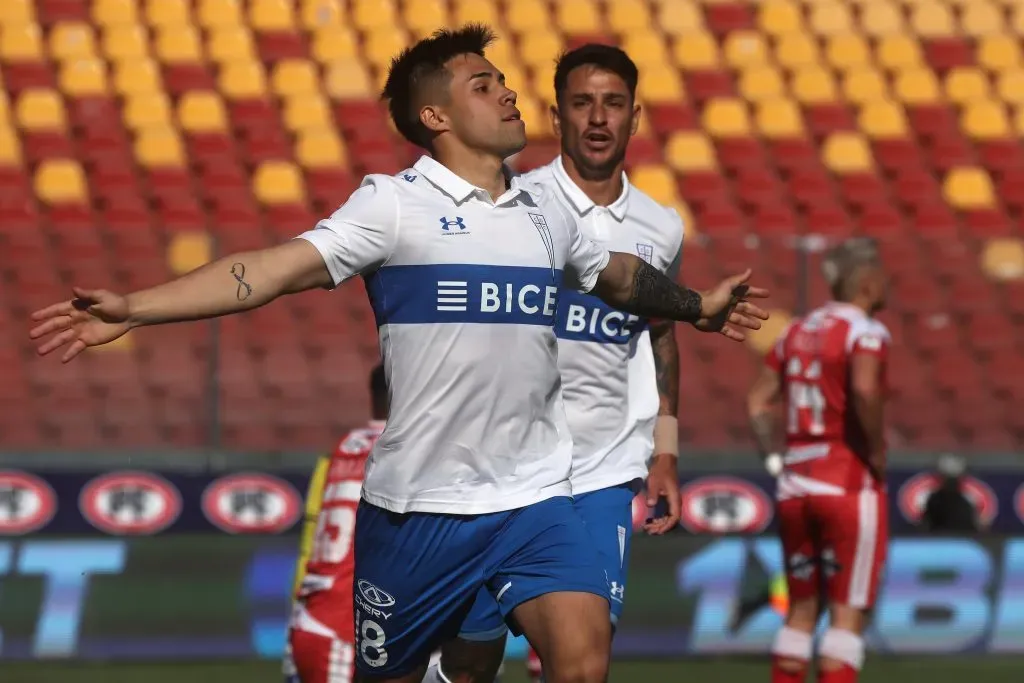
(677, 259)
(586, 258)
(361, 234)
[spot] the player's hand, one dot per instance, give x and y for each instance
(92, 318)
(663, 482)
(727, 309)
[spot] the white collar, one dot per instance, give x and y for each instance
(579, 199)
(457, 187)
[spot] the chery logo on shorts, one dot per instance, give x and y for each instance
(136, 503)
(252, 503)
(373, 595)
(914, 494)
(724, 505)
(27, 503)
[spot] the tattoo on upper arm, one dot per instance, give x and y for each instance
(244, 290)
(656, 296)
(666, 366)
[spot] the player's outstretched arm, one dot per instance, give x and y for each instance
(232, 284)
(632, 285)
(760, 401)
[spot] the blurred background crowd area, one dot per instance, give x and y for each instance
(141, 138)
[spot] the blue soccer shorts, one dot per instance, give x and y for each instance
(607, 515)
(417, 575)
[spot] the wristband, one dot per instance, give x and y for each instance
(773, 463)
(666, 435)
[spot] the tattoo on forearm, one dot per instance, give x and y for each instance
(666, 367)
(244, 290)
(654, 295)
(763, 426)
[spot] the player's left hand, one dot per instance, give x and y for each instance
(663, 482)
(727, 309)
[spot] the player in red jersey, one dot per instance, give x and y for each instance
(829, 369)
(320, 635)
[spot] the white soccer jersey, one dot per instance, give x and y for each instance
(464, 291)
(605, 356)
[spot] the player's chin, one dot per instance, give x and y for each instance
(512, 141)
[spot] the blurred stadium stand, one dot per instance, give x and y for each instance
(139, 138)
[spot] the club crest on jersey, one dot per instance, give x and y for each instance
(408, 178)
(541, 224)
(455, 227)
(646, 252)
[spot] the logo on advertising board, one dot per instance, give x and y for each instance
(27, 503)
(252, 503)
(913, 496)
(724, 505)
(130, 503)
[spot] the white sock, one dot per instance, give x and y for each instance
(843, 646)
(434, 674)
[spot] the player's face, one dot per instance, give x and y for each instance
(595, 118)
(482, 111)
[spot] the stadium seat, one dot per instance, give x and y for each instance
(218, 14)
(72, 40)
(863, 85)
(933, 21)
(334, 43)
(999, 52)
(882, 19)
(147, 111)
(898, 52)
(780, 17)
(178, 45)
(291, 77)
(347, 80)
(17, 13)
(794, 51)
(315, 15)
(137, 77)
(676, 18)
(1003, 259)
(745, 48)
(188, 251)
(271, 15)
(968, 188)
(848, 51)
(696, 51)
(159, 147)
(470, 11)
(985, 120)
(425, 17)
(61, 181)
(278, 182)
(883, 119)
(830, 19)
(917, 85)
(660, 84)
(758, 83)
(125, 42)
(779, 118)
(814, 85)
(230, 44)
(726, 117)
(21, 43)
(657, 181)
(83, 78)
(981, 19)
(320, 148)
(381, 44)
(306, 111)
(373, 14)
(40, 110)
(242, 80)
(847, 153)
(202, 112)
(690, 151)
(965, 85)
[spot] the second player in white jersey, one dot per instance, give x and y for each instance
(604, 355)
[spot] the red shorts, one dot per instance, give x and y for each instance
(845, 536)
(321, 658)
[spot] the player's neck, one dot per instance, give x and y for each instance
(868, 309)
(604, 190)
(480, 169)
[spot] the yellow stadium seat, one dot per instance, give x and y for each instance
(780, 17)
(847, 153)
(333, 43)
(1010, 86)
(657, 181)
(72, 40)
(60, 181)
(1017, 19)
(320, 149)
(864, 85)
(725, 117)
(999, 52)
(985, 120)
(883, 120)
(796, 50)
(848, 51)
(271, 15)
(125, 42)
(278, 182)
(294, 77)
(147, 111)
(527, 15)
(577, 17)
(5, 110)
(981, 19)
(201, 111)
(540, 47)
(426, 15)
(21, 43)
(1003, 259)
(763, 82)
(307, 111)
(168, 13)
(536, 118)
(83, 78)
(898, 52)
(347, 80)
(115, 12)
(679, 18)
(178, 45)
(17, 13)
(40, 109)
(373, 14)
(10, 148)
(696, 51)
(188, 251)
(646, 48)
(933, 21)
(543, 83)
(242, 80)
(917, 85)
(660, 84)
(968, 188)
(137, 77)
(231, 44)
(159, 148)
(218, 14)
(882, 19)
(1018, 120)
(814, 85)
(383, 44)
(319, 14)
(779, 118)
(830, 19)
(966, 84)
(745, 48)
(627, 15)
(476, 11)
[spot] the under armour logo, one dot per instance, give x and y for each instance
(447, 225)
(408, 178)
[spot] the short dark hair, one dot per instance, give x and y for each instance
(420, 68)
(842, 264)
(605, 57)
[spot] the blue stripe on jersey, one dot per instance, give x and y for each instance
(464, 293)
(583, 317)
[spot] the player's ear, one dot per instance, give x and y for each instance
(435, 119)
(556, 122)
(636, 120)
